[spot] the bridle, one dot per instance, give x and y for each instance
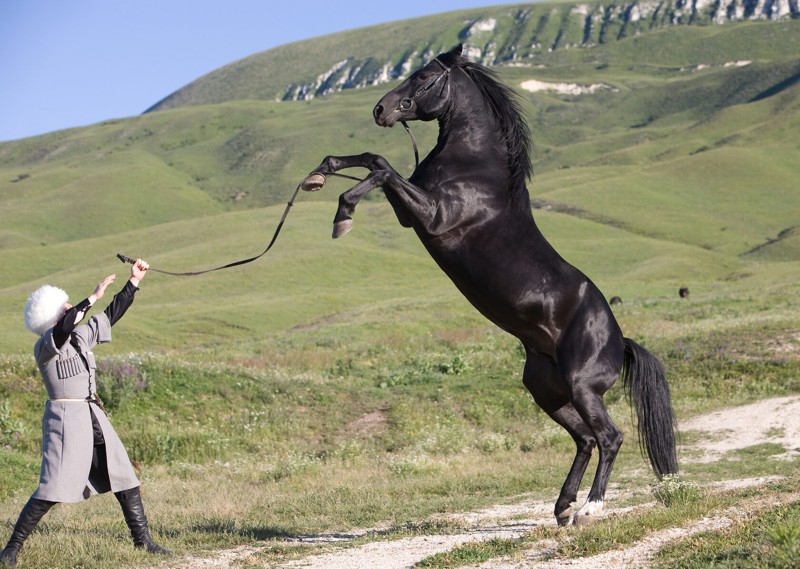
(406, 104)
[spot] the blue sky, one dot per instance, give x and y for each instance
(67, 63)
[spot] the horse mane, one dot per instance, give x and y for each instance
(504, 105)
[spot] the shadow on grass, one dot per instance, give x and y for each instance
(249, 532)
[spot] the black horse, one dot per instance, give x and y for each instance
(469, 205)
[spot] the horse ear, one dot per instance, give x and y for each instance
(457, 50)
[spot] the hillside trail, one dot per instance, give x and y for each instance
(770, 421)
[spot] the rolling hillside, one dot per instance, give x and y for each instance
(527, 34)
(664, 153)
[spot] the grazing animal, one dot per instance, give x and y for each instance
(468, 203)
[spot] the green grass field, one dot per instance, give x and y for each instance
(345, 384)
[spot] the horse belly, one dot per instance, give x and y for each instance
(528, 310)
(514, 277)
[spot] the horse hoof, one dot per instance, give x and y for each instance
(584, 520)
(313, 182)
(342, 228)
(565, 518)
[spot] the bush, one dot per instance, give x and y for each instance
(672, 491)
(117, 380)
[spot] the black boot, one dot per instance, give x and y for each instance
(133, 510)
(28, 518)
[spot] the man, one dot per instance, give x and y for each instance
(81, 453)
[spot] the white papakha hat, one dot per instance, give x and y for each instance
(43, 309)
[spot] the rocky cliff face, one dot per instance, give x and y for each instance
(522, 31)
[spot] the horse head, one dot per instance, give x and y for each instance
(423, 96)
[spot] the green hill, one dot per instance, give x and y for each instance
(345, 384)
(518, 34)
(678, 169)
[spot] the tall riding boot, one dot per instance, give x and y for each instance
(28, 518)
(133, 510)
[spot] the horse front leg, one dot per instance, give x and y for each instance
(343, 220)
(332, 164)
(409, 202)
(412, 205)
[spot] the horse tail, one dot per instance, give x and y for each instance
(645, 385)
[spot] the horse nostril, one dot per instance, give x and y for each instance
(377, 111)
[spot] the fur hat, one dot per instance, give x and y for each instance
(43, 309)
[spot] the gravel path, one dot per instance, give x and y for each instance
(774, 421)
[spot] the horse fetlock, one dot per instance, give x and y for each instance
(342, 227)
(313, 182)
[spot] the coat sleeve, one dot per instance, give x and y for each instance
(65, 326)
(96, 331)
(120, 303)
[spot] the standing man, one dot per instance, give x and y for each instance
(81, 453)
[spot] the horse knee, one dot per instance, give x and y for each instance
(327, 165)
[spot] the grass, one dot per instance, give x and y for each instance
(769, 539)
(673, 491)
(765, 536)
(234, 454)
(473, 553)
(346, 384)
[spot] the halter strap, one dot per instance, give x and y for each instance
(408, 102)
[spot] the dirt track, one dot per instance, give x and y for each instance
(773, 421)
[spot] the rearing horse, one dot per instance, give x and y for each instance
(468, 203)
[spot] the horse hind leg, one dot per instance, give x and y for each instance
(588, 403)
(543, 381)
(585, 442)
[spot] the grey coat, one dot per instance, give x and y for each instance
(67, 437)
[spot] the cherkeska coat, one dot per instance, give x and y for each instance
(68, 435)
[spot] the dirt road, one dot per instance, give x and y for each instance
(770, 421)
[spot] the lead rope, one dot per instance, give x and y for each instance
(126, 259)
(130, 261)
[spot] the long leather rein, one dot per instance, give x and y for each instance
(129, 260)
(405, 104)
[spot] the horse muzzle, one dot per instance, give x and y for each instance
(380, 116)
(388, 116)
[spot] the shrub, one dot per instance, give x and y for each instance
(117, 380)
(672, 491)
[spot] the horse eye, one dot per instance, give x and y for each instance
(423, 76)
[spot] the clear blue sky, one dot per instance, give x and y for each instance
(67, 63)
